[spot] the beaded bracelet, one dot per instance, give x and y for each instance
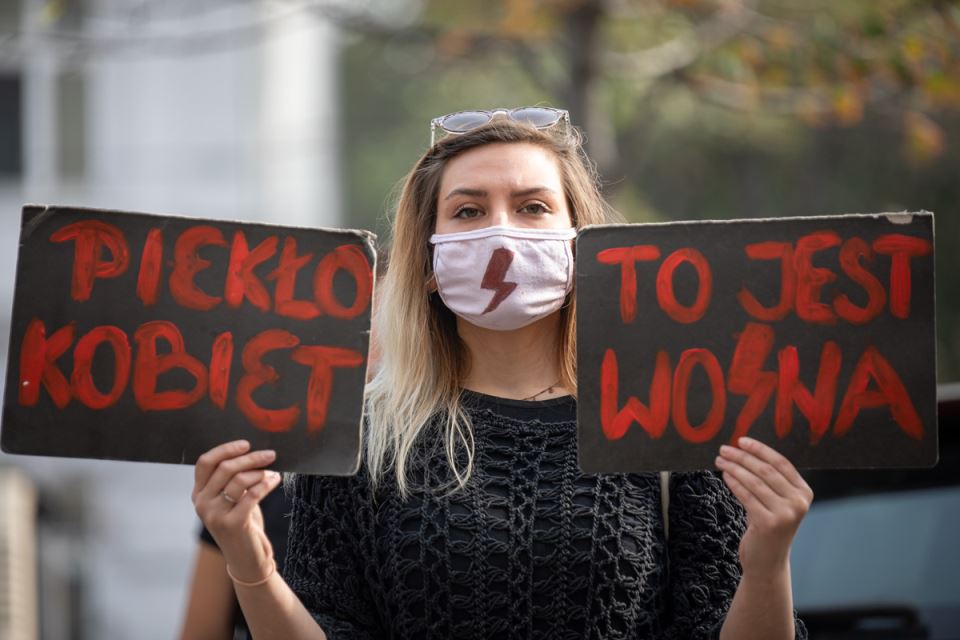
(263, 580)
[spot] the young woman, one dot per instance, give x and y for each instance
(469, 517)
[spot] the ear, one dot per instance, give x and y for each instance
(432, 284)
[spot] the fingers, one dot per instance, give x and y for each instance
(255, 493)
(766, 483)
(241, 482)
(759, 470)
(227, 469)
(774, 458)
(750, 482)
(209, 461)
(750, 502)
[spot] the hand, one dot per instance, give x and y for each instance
(776, 498)
(229, 484)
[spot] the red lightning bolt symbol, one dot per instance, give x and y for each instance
(747, 377)
(493, 279)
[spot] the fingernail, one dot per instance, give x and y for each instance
(273, 474)
(745, 441)
(720, 461)
(725, 448)
(268, 453)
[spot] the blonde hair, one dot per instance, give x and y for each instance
(422, 360)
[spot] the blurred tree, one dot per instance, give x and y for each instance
(821, 61)
(692, 108)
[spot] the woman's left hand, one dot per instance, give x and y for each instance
(776, 498)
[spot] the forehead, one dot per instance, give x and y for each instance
(512, 164)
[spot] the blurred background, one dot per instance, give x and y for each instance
(309, 112)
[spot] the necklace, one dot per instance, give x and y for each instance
(540, 393)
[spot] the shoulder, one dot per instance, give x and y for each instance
(302, 488)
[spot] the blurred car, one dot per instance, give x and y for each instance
(878, 556)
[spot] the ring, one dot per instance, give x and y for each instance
(226, 497)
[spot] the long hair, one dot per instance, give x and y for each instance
(422, 360)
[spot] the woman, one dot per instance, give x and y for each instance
(469, 518)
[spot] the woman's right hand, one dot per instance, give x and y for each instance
(229, 483)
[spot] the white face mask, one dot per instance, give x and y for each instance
(503, 278)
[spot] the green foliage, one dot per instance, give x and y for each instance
(692, 108)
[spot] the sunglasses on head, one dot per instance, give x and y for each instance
(464, 121)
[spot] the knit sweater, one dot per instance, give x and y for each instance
(530, 548)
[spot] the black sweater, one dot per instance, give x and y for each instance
(531, 548)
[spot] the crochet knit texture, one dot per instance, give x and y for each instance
(530, 548)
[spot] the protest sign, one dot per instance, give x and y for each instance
(814, 335)
(155, 338)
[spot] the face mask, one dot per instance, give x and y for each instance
(501, 277)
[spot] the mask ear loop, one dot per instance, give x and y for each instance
(431, 284)
(572, 255)
(571, 264)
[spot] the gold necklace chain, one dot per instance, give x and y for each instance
(540, 393)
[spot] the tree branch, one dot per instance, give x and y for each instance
(673, 55)
(775, 100)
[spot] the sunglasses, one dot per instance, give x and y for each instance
(464, 121)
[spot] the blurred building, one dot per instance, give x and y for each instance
(205, 108)
(18, 557)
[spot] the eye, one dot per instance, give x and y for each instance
(466, 212)
(535, 208)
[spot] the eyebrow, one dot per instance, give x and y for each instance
(482, 193)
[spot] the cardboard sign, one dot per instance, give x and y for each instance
(814, 335)
(140, 337)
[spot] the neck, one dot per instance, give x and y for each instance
(519, 364)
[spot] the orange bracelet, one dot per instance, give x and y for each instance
(263, 580)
